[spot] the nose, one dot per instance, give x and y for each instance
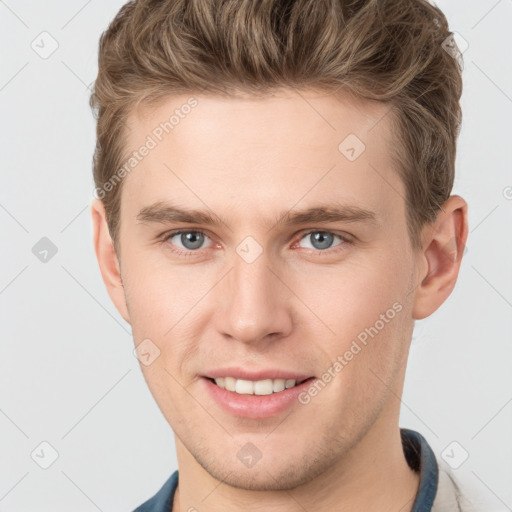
(255, 304)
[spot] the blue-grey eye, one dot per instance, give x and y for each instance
(321, 239)
(190, 240)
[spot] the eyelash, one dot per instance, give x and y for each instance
(333, 250)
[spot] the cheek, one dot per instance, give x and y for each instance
(165, 307)
(366, 304)
(159, 294)
(352, 296)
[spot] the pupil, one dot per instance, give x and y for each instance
(191, 240)
(321, 240)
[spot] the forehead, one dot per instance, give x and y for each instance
(256, 155)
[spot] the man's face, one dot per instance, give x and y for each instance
(257, 297)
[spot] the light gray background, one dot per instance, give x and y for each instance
(68, 375)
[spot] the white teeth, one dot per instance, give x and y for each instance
(229, 383)
(244, 387)
(258, 387)
(263, 387)
(289, 383)
(279, 385)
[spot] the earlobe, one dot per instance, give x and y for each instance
(107, 258)
(443, 247)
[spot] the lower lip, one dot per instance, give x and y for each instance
(255, 406)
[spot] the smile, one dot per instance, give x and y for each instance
(255, 397)
(255, 387)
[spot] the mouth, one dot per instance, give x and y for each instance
(254, 394)
(255, 399)
(256, 387)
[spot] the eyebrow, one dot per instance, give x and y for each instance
(164, 212)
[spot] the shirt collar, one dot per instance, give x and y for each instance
(421, 458)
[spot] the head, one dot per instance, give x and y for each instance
(273, 187)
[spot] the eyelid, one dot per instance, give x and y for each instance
(345, 237)
(341, 234)
(168, 234)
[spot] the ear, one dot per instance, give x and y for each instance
(107, 258)
(443, 244)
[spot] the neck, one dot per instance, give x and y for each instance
(373, 475)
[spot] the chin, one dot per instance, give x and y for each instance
(268, 475)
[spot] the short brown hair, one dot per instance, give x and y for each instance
(386, 50)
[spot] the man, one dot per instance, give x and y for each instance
(273, 213)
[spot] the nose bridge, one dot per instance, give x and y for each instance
(254, 305)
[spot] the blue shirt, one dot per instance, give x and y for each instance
(418, 454)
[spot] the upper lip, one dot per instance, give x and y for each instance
(263, 374)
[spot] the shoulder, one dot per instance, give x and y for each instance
(162, 500)
(438, 491)
(450, 495)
